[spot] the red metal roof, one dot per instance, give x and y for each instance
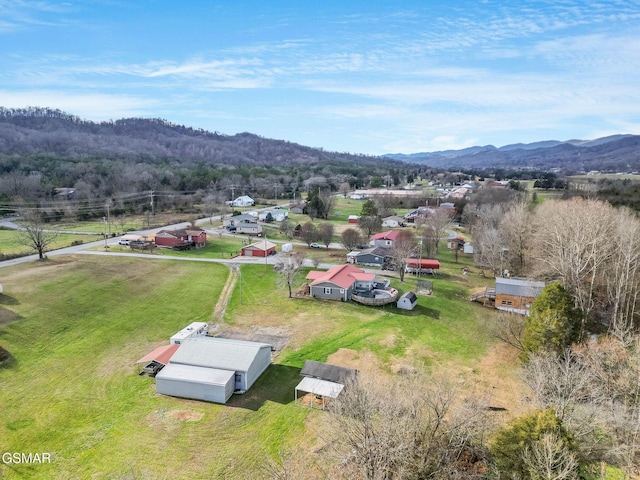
(342, 276)
(424, 263)
(161, 354)
(390, 235)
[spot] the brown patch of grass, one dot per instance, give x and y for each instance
(185, 415)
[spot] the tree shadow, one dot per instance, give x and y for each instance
(276, 384)
(8, 300)
(419, 310)
(7, 316)
(6, 359)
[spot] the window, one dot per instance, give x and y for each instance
(505, 302)
(327, 290)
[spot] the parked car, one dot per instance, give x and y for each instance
(315, 245)
(123, 242)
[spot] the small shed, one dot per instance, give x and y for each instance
(468, 248)
(261, 248)
(353, 218)
(407, 301)
(323, 381)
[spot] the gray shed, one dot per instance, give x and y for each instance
(198, 383)
(323, 381)
(407, 301)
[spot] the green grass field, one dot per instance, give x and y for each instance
(75, 327)
(11, 245)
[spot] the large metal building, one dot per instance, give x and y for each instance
(211, 369)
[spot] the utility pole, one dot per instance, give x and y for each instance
(104, 219)
(108, 218)
(151, 201)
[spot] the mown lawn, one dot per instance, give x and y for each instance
(11, 245)
(75, 330)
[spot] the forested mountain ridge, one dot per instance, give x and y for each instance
(33, 130)
(617, 153)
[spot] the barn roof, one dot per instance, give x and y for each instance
(341, 275)
(263, 245)
(161, 354)
(181, 232)
(328, 372)
(191, 373)
(214, 352)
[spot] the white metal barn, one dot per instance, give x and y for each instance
(218, 365)
(198, 383)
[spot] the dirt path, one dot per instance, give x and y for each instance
(221, 306)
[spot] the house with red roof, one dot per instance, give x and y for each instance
(385, 239)
(339, 283)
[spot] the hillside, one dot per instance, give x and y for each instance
(617, 153)
(38, 131)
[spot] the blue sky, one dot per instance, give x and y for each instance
(369, 77)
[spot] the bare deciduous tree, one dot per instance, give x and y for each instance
(403, 247)
(402, 429)
(288, 267)
(549, 458)
(34, 234)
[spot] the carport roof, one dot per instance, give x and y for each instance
(161, 354)
(320, 387)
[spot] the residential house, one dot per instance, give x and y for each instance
(394, 221)
(183, 237)
(298, 208)
(516, 294)
(276, 215)
(249, 228)
(340, 282)
(373, 257)
(236, 219)
(384, 239)
(242, 201)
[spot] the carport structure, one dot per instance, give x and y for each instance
(323, 381)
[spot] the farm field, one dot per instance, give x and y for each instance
(76, 325)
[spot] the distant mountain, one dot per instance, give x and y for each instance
(614, 153)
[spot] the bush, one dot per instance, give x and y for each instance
(553, 323)
(514, 448)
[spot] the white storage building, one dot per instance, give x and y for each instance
(211, 368)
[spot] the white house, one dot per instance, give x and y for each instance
(242, 201)
(393, 221)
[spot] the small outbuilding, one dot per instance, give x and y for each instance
(353, 219)
(323, 382)
(407, 301)
(261, 248)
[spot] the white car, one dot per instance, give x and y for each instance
(315, 245)
(123, 242)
